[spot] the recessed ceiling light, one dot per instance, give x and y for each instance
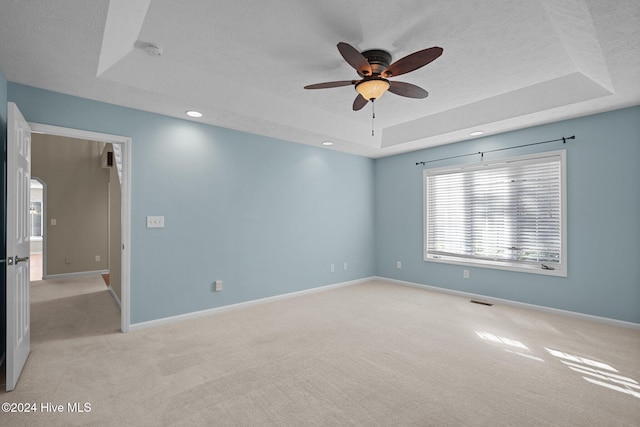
(327, 143)
(193, 113)
(476, 133)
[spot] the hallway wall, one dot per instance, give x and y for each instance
(78, 201)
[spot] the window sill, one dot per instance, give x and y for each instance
(558, 271)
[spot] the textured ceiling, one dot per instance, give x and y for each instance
(506, 64)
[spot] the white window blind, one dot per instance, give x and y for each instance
(507, 213)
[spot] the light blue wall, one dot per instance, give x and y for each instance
(603, 175)
(265, 216)
(269, 216)
(3, 211)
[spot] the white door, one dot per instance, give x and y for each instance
(18, 184)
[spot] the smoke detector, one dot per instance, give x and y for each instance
(152, 49)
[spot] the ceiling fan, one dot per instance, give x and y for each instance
(373, 66)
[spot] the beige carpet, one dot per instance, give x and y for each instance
(374, 354)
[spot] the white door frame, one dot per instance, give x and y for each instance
(125, 143)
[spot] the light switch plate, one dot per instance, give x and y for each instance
(155, 222)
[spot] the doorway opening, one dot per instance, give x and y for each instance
(36, 215)
(119, 252)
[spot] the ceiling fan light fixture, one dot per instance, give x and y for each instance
(372, 88)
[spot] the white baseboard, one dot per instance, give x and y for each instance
(76, 274)
(606, 320)
(115, 297)
(208, 312)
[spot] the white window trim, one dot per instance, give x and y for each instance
(559, 270)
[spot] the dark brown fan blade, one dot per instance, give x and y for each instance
(412, 62)
(359, 102)
(408, 90)
(355, 59)
(327, 85)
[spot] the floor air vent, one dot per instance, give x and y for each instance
(475, 301)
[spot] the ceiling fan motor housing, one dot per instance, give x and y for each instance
(378, 59)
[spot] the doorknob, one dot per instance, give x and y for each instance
(18, 259)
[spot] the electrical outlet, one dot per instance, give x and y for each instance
(465, 274)
(345, 266)
(97, 258)
(399, 264)
(333, 268)
(218, 285)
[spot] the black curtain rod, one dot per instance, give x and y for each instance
(563, 139)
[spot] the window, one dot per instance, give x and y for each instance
(35, 210)
(507, 214)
